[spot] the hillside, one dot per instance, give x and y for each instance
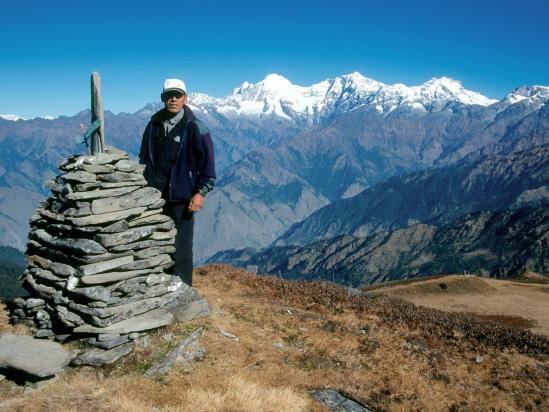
(436, 196)
(296, 336)
(12, 265)
(497, 244)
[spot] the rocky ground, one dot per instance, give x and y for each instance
(270, 343)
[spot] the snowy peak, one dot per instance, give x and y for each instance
(445, 88)
(11, 117)
(277, 95)
(14, 117)
(533, 95)
(432, 95)
(273, 86)
(530, 91)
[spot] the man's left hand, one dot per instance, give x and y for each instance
(196, 203)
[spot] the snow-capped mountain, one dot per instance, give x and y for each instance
(11, 117)
(15, 117)
(533, 95)
(276, 95)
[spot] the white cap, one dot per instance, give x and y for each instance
(174, 84)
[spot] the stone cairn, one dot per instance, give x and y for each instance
(98, 252)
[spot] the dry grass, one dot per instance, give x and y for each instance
(295, 336)
(507, 302)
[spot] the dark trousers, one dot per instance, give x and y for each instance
(183, 256)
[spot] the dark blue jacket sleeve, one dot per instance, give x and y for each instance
(205, 166)
(144, 150)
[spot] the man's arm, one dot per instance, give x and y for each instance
(206, 167)
(206, 161)
(144, 150)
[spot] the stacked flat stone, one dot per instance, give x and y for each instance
(97, 254)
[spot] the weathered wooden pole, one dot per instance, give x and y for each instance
(98, 137)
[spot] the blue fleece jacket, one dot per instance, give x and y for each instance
(193, 170)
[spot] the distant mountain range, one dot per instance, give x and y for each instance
(285, 151)
(488, 243)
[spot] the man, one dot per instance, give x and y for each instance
(178, 154)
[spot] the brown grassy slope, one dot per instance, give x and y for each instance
(295, 336)
(505, 301)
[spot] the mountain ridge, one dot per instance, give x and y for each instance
(488, 243)
(275, 170)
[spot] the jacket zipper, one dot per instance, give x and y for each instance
(183, 135)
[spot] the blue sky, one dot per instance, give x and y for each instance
(49, 48)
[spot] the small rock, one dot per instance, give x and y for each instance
(146, 341)
(19, 302)
(35, 303)
(479, 359)
(107, 336)
(126, 165)
(98, 357)
(278, 345)
(110, 343)
(228, 335)
(187, 351)
(44, 334)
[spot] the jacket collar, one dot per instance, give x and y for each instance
(188, 117)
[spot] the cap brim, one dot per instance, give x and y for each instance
(174, 90)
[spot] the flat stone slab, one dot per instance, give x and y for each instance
(149, 219)
(144, 196)
(128, 236)
(106, 217)
(120, 177)
(80, 177)
(98, 357)
(35, 357)
(104, 158)
(149, 320)
(336, 402)
(104, 266)
(192, 310)
(100, 193)
(111, 277)
(85, 246)
(143, 244)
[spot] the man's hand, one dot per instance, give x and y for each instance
(196, 203)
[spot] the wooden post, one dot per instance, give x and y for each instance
(98, 137)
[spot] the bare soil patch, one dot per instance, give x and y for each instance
(507, 302)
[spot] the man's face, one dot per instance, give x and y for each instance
(174, 101)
